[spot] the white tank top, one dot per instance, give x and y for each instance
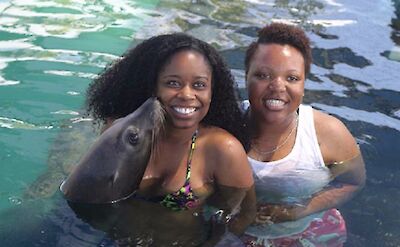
(293, 179)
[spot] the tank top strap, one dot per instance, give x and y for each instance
(307, 133)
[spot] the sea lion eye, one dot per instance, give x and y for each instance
(133, 138)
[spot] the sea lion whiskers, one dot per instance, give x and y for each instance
(159, 118)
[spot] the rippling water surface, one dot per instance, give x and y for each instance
(50, 50)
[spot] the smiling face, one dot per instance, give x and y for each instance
(275, 82)
(184, 88)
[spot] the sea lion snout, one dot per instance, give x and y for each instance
(121, 152)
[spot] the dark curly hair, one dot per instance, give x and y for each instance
(127, 83)
(284, 34)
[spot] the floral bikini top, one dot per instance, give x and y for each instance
(184, 198)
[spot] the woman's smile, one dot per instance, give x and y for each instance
(184, 110)
(184, 88)
(274, 104)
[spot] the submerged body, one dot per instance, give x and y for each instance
(113, 167)
(293, 181)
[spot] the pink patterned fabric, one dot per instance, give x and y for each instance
(328, 231)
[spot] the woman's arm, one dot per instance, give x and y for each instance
(234, 192)
(234, 179)
(349, 179)
(344, 159)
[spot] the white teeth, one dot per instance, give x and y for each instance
(274, 102)
(184, 110)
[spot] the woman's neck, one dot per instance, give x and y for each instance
(273, 141)
(178, 135)
(267, 130)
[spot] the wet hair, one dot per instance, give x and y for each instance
(283, 34)
(127, 83)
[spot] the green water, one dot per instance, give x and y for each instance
(49, 52)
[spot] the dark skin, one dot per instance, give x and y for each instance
(227, 197)
(219, 163)
(275, 83)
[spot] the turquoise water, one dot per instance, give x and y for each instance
(50, 50)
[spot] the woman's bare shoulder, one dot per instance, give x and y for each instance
(220, 140)
(325, 122)
(328, 126)
(227, 158)
(334, 137)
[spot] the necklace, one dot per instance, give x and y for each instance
(281, 144)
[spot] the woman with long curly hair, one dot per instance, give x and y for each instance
(200, 152)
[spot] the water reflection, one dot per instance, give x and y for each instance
(302, 11)
(141, 223)
(394, 53)
(395, 35)
(62, 157)
(327, 58)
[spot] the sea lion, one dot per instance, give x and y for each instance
(114, 165)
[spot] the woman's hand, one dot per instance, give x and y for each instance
(272, 213)
(220, 234)
(217, 230)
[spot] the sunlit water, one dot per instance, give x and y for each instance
(50, 50)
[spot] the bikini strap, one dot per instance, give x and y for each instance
(192, 147)
(184, 197)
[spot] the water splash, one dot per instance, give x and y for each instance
(15, 200)
(65, 112)
(11, 123)
(71, 73)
